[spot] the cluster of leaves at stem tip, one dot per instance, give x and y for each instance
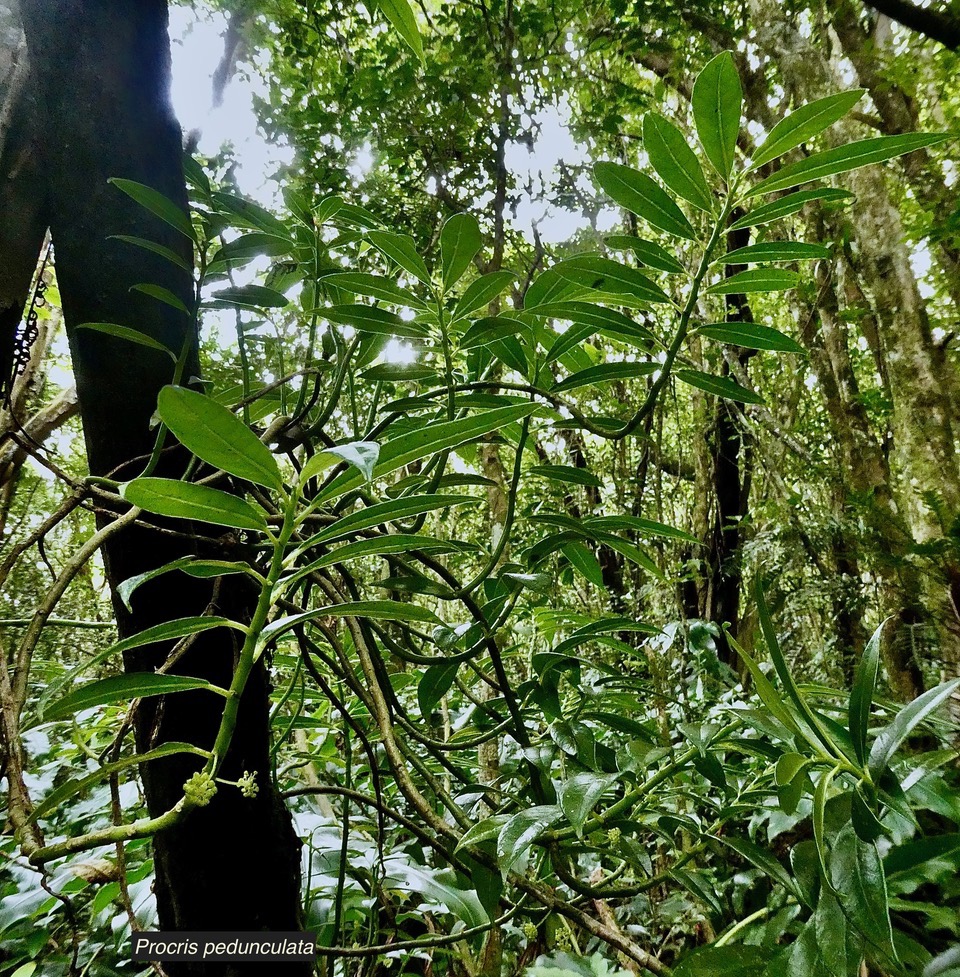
(696, 195)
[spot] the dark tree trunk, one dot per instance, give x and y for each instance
(731, 465)
(97, 107)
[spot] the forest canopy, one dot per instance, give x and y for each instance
(516, 535)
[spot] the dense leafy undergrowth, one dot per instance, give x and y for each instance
(491, 768)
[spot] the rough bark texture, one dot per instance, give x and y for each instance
(95, 106)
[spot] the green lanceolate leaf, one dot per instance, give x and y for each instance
(724, 961)
(179, 628)
(717, 100)
(566, 473)
(519, 833)
(647, 252)
(375, 287)
(460, 241)
(640, 195)
(845, 158)
(909, 717)
(248, 297)
(488, 330)
(804, 123)
(605, 373)
(379, 546)
(763, 860)
(862, 692)
(217, 436)
(600, 274)
(160, 249)
(400, 248)
(756, 280)
(636, 524)
(434, 684)
(482, 292)
(431, 438)
(184, 500)
(162, 294)
(718, 386)
(579, 795)
(857, 876)
(400, 14)
(56, 798)
(750, 335)
(123, 688)
(158, 205)
(675, 162)
(820, 796)
(376, 610)
(788, 205)
(371, 319)
(584, 562)
(386, 512)
(769, 696)
(485, 830)
(248, 246)
(129, 335)
(774, 251)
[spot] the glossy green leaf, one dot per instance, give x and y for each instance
(857, 876)
(400, 14)
(637, 193)
(590, 632)
(129, 335)
(248, 297)
(460, 241)
(763, 859)
(903, 724)
(482, 291)
(380, 546)
(488, 330)
(184, 500)
(251, 245)
(724, 961)
(580, 794)
(158, 205)
(179, 628)
(718, 386)
(769, 696)
(217, 436)
(756, 280)
(717, 101)
(675, 162)
(820, 795)
(865, 822)
(56, 798)
(845, 158)
(566, 473)
(168, 253)
(376, 610)
(804, 123)
(788, 205)
(585, 563)
(374, 286)
(431, 438)
(434, 684)
(372, 319)
(750, 335)
(861, 694)
(789, 766)
(485, 830)
(637, 524)
(774, 251)
(606, 373)
(400, 373)
(385, 512)
(162, 294)
(401, 249)
(647, 252)
(600, 274)
(519, 833)
(123, 688)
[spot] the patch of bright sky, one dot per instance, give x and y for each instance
(539, 166)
